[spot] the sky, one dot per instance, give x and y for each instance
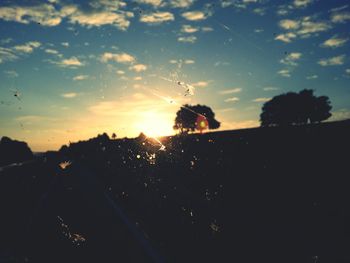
(73, 69)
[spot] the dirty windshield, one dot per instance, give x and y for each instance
(174, 131)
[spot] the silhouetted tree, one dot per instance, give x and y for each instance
(186, 118)
(295, 108)
(114, 136)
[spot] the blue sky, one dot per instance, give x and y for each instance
(79, 68)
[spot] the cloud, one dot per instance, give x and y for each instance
(334, 61)
(303, 28)
(312, 77)
(155, 3)
(189, 39)
(284, 73)
(100, 18)
(27, 47)
(302, 3)
(181, 3)
(207, 29)
(230, 91)
(232, 99)
(43, 14)
(188, 29)
(270, 88)
(11, 73)
(289, 24)
(97, 13)
(189, 61)
(334, 42)
(51, 51)
(7, 54)
(287, 37)
(200, 84)
(194, 15)
(261, 99)
(347, 71)
(15, 52)
(69, 95)
(65, 44)
(138, 67)
(71, 62)
(291, 59)
(340, 17)
(118, 57)
(81, 77)
(120, 72)
(157, 17)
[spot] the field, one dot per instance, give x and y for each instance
(253, 195)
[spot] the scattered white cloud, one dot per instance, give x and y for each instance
(261, 99)
(188, 29)
(99, 18)
(155, 3)
(138, 67)
(194, 15)
(259, 11)
(189, 39)
(270, 88)
(51, 51)
(230, 91)
(71, 62)
(189, 61)
(69, 95)
(289, 24)
(65, 44)
(138, 78)
(157, 17)
(207, 29)
(81, 77)
(303, 28)
(333, 61)
(334, 42)
(181, 3)
(291, 59)
(232, 99)
(27, 47)
(120, 72)
(287, 37)
(43, 14)
(11, 73)
(284, 73)
(340, 17)
(7, 54)
(302, 3)
(200, 84)
(118, 57)
(347, 71)
(312, 77)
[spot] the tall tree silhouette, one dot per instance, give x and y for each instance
(295, 108)
(187, 116)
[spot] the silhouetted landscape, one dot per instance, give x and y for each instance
(249, 195)
(177, 131)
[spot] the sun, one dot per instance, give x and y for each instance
(155, 124)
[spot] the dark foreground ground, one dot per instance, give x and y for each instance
(256, 195)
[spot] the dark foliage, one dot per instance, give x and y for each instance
(295, 108)
(12, 151)
(186, 117)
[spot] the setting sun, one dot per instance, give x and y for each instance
(155, 124)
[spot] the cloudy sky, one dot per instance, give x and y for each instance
(73, 69)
